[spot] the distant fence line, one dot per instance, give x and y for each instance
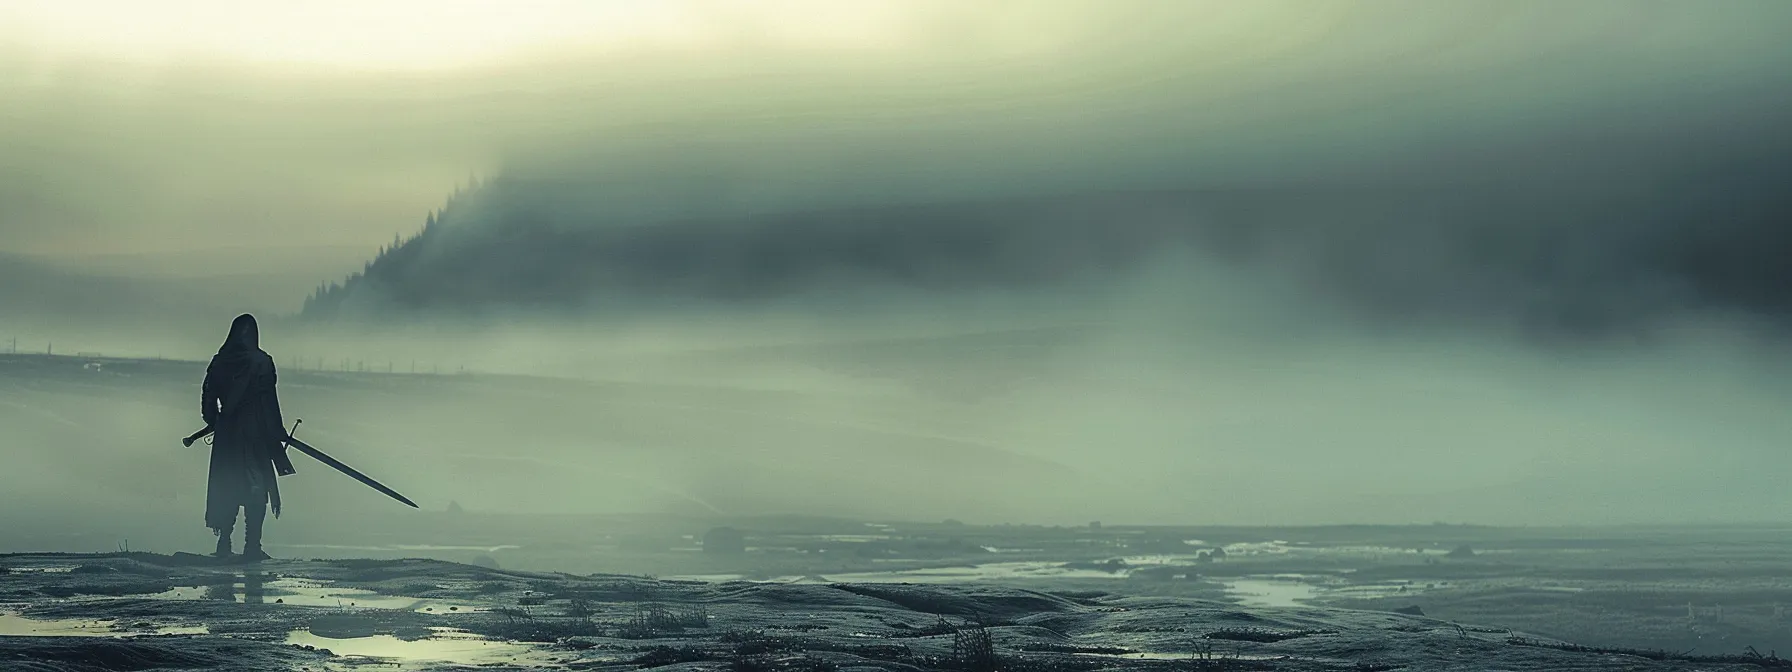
(298, 363)
(1715, 612)
(351, 365)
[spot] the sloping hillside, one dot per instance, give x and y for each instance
(1554, 258)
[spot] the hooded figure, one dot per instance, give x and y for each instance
(249, 439)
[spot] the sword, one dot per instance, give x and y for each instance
(319, 455)
(326, 459)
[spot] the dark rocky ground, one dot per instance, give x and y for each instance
(140, 611)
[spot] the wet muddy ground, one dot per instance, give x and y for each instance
(139, 611)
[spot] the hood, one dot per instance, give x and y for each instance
(244, 337)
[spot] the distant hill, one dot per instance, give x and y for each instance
(1555, 257)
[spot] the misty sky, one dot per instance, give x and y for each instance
(333, 126)
(144, 145)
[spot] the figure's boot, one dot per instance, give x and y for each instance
(223, 550)
(253, 517)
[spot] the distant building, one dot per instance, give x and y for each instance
(724, 540)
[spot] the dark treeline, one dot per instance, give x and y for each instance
(1559, 258)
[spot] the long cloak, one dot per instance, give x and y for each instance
(249, 435)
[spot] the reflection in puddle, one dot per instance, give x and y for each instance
(446, 645)
(1273, 592)
(1215, 656)
(1372, 591)
(46, 569)
(13, 625)
(254, 589)
(729, 578)
(960, 574)
(19, 626)
(987, 572)
(400, 548)
(709, 578)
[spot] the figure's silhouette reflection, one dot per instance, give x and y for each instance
(254, 589)
(223, 591)
(253, 592)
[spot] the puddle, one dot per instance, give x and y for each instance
(13, 625)
(1258, 548)
(709, 578)
(19, 626)
(1284, 548)
(1371, 591)
(59, 569)
(850, 538)
(999, 571)
(402, 548)
(793, 579)
(250, 589)
(1157, 560)
(1215, 656)
(731, 578)
(446, 646)
(1271, 592)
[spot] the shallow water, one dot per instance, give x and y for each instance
(1271, 592)
(1158, 655)
(399, 548)
(710, 578)
(1371, 591)
(998, 571)
(13, 625)
(249, 589)
(447, 646)
(19, 626)
(1008, 571)
(850, 538)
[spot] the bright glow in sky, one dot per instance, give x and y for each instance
(427, 34)
(132, 125)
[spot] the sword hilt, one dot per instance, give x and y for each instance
(195, 436)
(295, 428)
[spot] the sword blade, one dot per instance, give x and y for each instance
(350, 471)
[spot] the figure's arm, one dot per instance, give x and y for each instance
(274, 397)
(282, 464)
(208, 400)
